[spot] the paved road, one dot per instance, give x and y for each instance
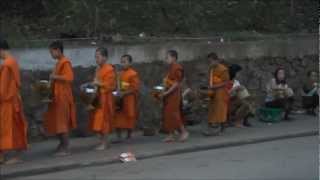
(39, 160)
(283, 159)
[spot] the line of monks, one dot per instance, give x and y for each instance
(60, 117)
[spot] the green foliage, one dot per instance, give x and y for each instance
(90, 18)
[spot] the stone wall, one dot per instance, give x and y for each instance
(256, 72)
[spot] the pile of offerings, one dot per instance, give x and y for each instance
(127, 157)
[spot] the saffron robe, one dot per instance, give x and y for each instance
(101, 118)
(218, 106)
(127, 116)
(13, 125)
(172, 103)
(61, 115)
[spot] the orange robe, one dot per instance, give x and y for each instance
(61, 114)
(13, 125)
(218, 106)
(172, 114)
(100, 120)
(126, 118)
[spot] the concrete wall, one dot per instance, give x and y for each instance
(39, 58)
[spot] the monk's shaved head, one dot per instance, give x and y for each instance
(126, 61)
(213, 56)
(127, 57)
(172, 56)
(56, 49)
(101, 55)
(173, 53)
(56, 45)
(103, 51)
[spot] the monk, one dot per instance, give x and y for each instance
(60, 118)
(126, 116)
(218, 106)
(100, 120)
(172, 99)
(13, 125)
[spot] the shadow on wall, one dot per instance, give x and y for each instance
(256, 72)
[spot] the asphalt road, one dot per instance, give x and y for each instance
(283, 159)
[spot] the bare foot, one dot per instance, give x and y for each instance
(14, 160)
(184, 136)
(210, 133)
(90, 108)
(238, 125)
(2, 159)
(101, 147)
(206, 133)
(59, 148)
(43, 133)
(169, 139)
(62, 153)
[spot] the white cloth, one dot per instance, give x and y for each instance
(236, 84)
(272, 86)
(239, 90)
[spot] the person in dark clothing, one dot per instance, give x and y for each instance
(310, 90)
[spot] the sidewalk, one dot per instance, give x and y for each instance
(39, 158)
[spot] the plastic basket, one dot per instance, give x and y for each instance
(269, 114)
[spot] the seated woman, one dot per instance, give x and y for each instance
(279, 94)
(310, 96)
(240, 105)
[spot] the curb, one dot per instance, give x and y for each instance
(39, 171)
